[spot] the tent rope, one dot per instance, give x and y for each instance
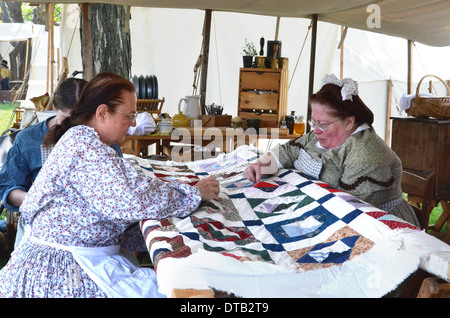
(373, 53)
(73, 34)
(300, 54)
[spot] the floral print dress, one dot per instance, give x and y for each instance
(86, 196)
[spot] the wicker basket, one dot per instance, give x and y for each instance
(437, 107)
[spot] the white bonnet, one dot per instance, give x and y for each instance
(349, 86)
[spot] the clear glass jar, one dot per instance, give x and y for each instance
(299, 126)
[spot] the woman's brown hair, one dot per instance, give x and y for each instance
(330, 95)
(68, 93)
(104, 88)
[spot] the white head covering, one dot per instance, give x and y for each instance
(349, 86)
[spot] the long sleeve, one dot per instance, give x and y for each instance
(288, 152)
(23, 162)
(85, 189)
(118, 191)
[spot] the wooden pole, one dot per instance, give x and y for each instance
(87, 44)
(58, 65)
(127, 19)
(409, 88)
(51, 35)
(25, 73)
(387, 135)
(277, 28)
(47, 19)
(312, 65)
(341, 47)
(49, 26)
(205, 50)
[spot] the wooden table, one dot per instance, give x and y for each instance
(189, 143)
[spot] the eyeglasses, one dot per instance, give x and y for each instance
(131, 117)
(320, 126)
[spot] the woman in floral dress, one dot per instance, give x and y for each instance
(84, 197)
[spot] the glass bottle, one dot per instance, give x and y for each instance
(290, 122)
(299, 126)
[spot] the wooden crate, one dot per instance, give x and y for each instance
(216, 120)
(263, 93)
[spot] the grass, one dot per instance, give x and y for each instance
(5, 115)
(434, 216)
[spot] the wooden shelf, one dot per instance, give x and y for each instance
(263, 93)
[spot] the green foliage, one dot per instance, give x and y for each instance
(249, 49)
(27, 12)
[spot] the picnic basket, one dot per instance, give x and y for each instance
(437, 107)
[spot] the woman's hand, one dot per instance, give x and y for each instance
(209, 188)
(253, 172)
(265, 165)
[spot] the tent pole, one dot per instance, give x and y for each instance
(52, 45)
(87, 44)
(205, 50)
(312, 64)
(387, 135)
(277, 28)
(47, 19)
(409, 88)
(341, 47)
(26, 59)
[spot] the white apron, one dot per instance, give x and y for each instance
(117, 276)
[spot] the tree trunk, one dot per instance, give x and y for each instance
(111, 45)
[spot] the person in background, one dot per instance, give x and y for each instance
(343, 150)
(5, 75)
(84, 197)
(27, 155)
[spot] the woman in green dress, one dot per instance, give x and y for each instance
(342, 150)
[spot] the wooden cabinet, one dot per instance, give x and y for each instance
(263, 93)
(424, 145)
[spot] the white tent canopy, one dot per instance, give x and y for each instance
(167, 42)
(424, 21)
(16, 32)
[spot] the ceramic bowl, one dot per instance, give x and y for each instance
(165, 127)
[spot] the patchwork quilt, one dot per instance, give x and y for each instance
(287, 236)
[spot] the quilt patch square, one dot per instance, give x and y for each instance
(308, 225)
(342, 246)
(214, 230)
